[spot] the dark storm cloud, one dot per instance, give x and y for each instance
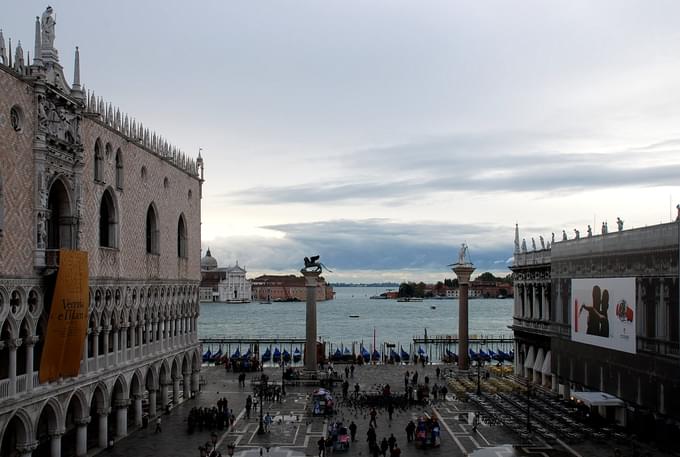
(375, 244)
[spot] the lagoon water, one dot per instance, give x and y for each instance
(396, 322)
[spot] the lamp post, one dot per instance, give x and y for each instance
(283, 373)
(263, 386)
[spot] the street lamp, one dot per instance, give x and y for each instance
(263, 386)
(283, 374)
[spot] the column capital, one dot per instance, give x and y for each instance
(137, 396)
(106, 329)
(15, 343)
(121, 404)
(56, 433)
(104, 411)
(83, 420)
(27, 448)
(31, 340)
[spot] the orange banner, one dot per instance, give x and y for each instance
(67, 326)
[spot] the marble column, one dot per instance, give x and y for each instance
(116, 345)
(30, 344)
(139, 340)
(137, 401)
(152, 403)
(175, 391)
(12, 371)
(195, 381)
(463, 272)
(95, 349)
(124, 344)
(121, 417)
(105, 350)
(164, 397)
(311, 279)
(55, 443)
(102, 439)
(187, 385)
(81, 436)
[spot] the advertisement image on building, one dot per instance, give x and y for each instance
(603, 313)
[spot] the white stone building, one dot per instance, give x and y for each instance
(76, 173)
(226, 284)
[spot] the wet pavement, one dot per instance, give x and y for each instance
(295, 431)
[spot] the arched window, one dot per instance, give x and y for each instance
(152, 231)
(182, 238)
(98, 161)
(119, 169)
(60, 222)
(108, 222)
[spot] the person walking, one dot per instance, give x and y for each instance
(346, 372)
(374, 415)
(438, 372)
(249, 405)
(390, 410)
(392, 441)
(351, 370)
(322, 446)
(353, 431)
(158, 425)
(384, 445)
(410, 430)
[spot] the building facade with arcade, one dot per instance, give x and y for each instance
(596, 319)
(77, 174)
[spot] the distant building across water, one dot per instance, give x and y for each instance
(226, 284)
(288, 288)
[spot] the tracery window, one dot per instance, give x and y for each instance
(108, 222)
(152, 245)
(182, 238)
(98, 161)
(119, 169)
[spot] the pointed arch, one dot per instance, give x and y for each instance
(108, 220)
(19, 430)
(152, 232)
(119, 169)
(60, 217)
(98, 161)
(182, 238)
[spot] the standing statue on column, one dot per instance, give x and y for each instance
(47, 24)
(462, 254)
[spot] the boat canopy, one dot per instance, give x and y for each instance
(598, 399)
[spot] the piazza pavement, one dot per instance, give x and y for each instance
(295, 432)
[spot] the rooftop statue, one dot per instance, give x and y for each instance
(552, 240)
(590, 231)
(619, 223)
(533, 243)
(540, 237)
(564, 235)
(47, 24)
(604, 228)
(524, 245)
(577, 233)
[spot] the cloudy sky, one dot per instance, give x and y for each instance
(382, 134)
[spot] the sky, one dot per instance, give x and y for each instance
(383, 134)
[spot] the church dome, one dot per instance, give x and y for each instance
(208, 262)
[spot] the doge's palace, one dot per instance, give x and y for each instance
(76, 173)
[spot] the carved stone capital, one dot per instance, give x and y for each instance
(103, 411)
(15, 343)
(27, 448)
(83, 421)
(122, 403)
(31, 340)
(56, 433)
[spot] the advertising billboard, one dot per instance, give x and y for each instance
(603, 313)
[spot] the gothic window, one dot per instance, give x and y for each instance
(107, 151)
(16, 118)
(119, 169)
(182, 237)
(108, 222)
(59, 226)
(152, 245)
(98, 161)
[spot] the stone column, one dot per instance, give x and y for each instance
(311, 278)
(81, 436)
(30, 344)
(102, 439)
(187, 385)
(536, 304)
(124, 344)
(195, 381)
(86, 351)
(152, 403)
(121, 417)
(105, 350)
(95, 348)
(463, 272)
(55, 443)
(116, 345)
(175, 391)
(12, 372)
(139, 340)
(137, 399)
(164, 396)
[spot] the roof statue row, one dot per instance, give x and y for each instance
(46, 66)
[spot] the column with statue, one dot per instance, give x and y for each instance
(463, 269)
(311, 272)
